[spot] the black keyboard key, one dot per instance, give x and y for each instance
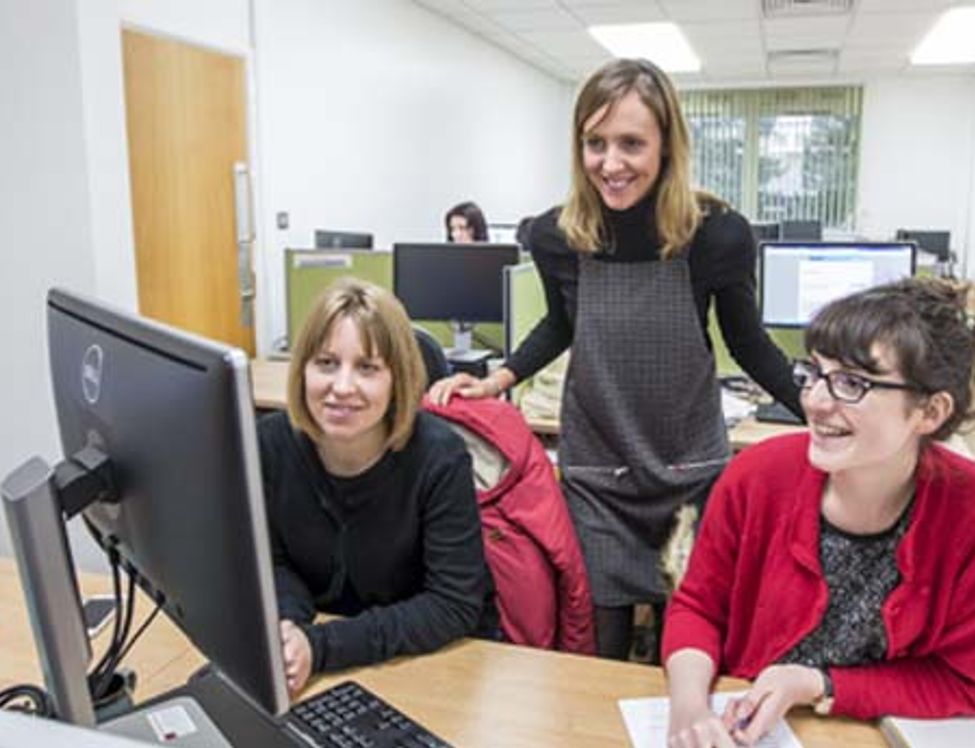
(349, 716)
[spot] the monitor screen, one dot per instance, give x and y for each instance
(798, 278)
(452, 282)
(173, 412)
(342, 239)
(934, 242)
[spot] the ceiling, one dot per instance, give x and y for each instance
(736, 40)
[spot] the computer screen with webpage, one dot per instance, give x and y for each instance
(797, 278)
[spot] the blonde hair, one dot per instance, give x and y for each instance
(385, 331)
(679, 208)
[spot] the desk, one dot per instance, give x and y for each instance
(269, 382)
(472, 693)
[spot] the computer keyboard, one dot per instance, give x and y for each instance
(349, 716)
(776, 412)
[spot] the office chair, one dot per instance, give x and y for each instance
(434, 359)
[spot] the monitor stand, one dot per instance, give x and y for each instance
(462, 357)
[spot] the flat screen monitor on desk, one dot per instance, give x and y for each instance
(173, 414)
(797, 278)
(801, 230)
(937, 243)
(342, 239)
(457, 283)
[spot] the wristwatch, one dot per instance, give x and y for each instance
(824, 704)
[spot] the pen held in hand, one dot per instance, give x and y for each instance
(742, 723)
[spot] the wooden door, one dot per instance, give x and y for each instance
(186, 118)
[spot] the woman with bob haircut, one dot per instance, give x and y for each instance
(371, 502)
(630, 266)
(465, 224)
(837, 567)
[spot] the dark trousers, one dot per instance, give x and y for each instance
(614, 631)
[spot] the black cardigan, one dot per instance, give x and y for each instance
(721, 257)
(396, 549)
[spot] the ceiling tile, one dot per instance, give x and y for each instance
(552, 19)
(709, 10)
(895, 6)
(890, 28)
(592, 15)
(567, 43)
(821, 32)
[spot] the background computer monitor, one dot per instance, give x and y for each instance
(937, 243)
(344, 239)
(453, 282)
(798, 278)
(765, 232)
(173, 412)
(801, 230)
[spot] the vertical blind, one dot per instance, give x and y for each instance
(779, 153)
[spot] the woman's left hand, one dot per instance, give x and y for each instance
(776, 690)
(297, 656)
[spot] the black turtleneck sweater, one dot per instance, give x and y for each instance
(721, 257)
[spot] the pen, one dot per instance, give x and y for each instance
(743, 722)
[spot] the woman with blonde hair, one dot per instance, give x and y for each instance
(630, 267)
(370, 502)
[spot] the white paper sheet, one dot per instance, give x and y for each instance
(646, 722)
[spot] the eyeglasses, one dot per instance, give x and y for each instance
(842, 385)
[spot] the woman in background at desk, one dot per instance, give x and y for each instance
(371, 503)
(465, 224)
(630, 266)
(837, 567)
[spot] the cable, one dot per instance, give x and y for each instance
(38, 702)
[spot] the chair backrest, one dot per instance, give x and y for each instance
(434, 359)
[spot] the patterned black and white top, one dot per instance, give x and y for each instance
(861, 571)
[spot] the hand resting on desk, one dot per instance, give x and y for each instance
(297, 656)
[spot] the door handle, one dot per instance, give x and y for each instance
(244, 233)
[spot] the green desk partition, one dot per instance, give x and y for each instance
(308, 272)
(789, 340)
(524, 303)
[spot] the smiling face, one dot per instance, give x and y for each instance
(621, 151)
(348, 392)
(461, 231)
(883, 429)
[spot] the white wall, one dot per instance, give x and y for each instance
(44, 212)
(378, 116)
(917, 158)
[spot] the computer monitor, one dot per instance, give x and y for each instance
(801, 230)
(934, 242)
(797, 278)
(458, 283)
(173, 413)
(766, 232)
(342, 239)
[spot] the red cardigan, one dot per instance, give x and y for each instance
(754, 587)
(530, 542)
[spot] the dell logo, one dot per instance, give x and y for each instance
(91, 373)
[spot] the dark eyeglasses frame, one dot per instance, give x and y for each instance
(867, 383)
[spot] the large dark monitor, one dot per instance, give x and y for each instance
(766, 232)
(797, 278)
(459, 283)
(174, 415)
(342, 240)
(801, 230)
(934, 242)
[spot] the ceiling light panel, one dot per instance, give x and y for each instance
(663, 43)
(949, 42)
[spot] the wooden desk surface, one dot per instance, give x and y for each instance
(269, 382)
(472, 693)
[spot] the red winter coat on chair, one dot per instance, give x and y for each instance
(542, 588)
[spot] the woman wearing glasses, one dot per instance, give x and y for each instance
(837, 568)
